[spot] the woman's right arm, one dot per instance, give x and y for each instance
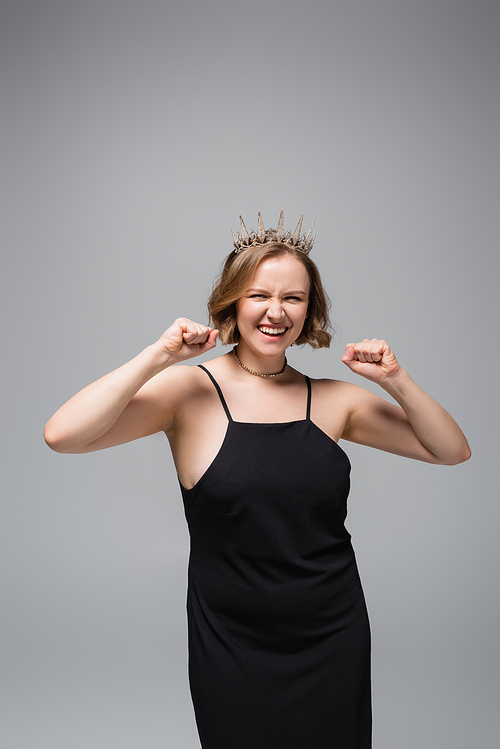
(134, 400)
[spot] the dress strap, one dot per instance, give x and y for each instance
(308, 412)
(224, 404)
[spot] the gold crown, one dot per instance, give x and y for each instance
(248, 239)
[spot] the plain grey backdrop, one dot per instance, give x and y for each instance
(133, 135)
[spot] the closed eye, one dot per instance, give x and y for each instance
(288, 298)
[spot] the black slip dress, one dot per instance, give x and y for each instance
(279, 639)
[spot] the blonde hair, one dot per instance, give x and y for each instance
(236, 276)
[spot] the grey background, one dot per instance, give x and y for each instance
(133, 134)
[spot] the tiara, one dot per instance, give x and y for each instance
(245, 239)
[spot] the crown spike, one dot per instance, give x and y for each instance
(296, 234)
(309, 233)
(244, 231)
(309, 245)
(280, 231)
(261, 232)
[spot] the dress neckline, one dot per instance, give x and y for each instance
(231, 424)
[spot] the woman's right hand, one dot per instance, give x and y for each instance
(185, 339)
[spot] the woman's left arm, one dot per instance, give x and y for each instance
(420, 429)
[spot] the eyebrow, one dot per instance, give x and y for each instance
(287, 293)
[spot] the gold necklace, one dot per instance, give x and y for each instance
(258, 374)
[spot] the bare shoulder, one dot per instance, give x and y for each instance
(332, 405)
(327, 390)
(335, 404)
(178, 390)
(175, 384)
(180, 377)
(184, 377)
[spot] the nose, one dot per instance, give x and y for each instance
(275, 310)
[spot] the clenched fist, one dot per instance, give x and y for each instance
(372, 359)
(186, 339)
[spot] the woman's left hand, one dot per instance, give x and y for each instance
(372, 359)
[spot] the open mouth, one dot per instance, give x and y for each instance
(272, 332)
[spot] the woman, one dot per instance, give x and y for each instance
(279, 638)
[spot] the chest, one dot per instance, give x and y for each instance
(202, 426)
(274, 472)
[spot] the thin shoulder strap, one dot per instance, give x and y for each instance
(224, 404)
(308, 412)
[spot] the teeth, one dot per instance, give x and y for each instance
(271, 331)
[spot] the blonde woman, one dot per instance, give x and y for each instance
(279, 639)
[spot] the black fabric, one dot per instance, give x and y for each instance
(279, 639)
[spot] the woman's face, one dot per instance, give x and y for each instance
(271, 313)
